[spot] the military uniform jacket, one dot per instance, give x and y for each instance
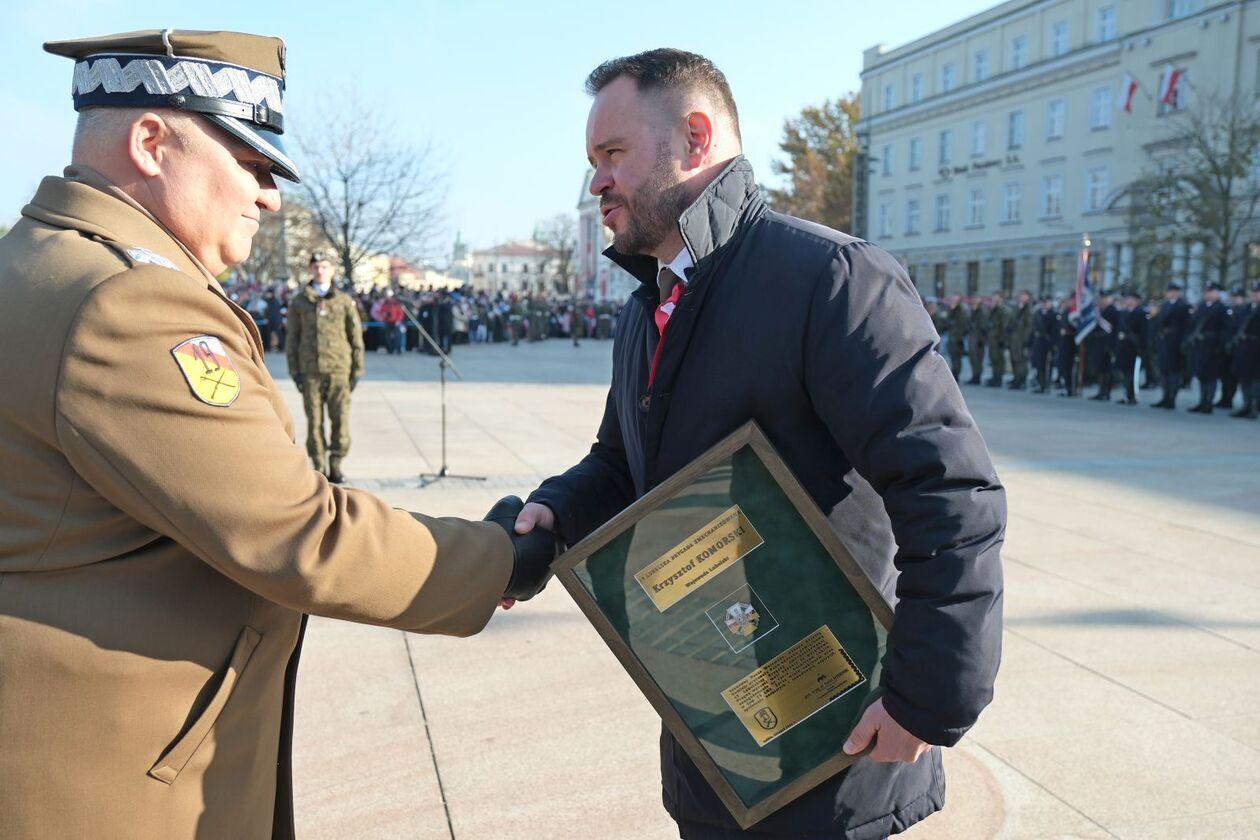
(1021, 326)
(959, 324)
(325, 334)
(161, 537)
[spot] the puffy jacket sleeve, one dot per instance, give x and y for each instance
(891, 403)
(228, 484)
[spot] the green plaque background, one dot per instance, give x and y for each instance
(687, 658)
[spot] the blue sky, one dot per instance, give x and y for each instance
(494, 87)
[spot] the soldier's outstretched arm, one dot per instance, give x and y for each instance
(174, 421)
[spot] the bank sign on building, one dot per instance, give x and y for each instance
(994, 145)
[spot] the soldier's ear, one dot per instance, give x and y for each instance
(149, 142)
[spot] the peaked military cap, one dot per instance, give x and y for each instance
(1174, 287)
(233, 79)
(1214, 287)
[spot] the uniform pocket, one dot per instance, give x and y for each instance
(168, 767)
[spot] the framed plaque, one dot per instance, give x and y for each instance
(733, 605)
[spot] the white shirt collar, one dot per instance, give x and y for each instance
(678, 264)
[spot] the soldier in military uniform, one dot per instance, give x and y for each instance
(1044, 329)
(516, 312)
(1103, 347)
(1171, 324)
(998, 335)
(162, 537)
(1207, 342)
(1229, 378)
(977, 339)
(958, 325)
(603, 320)
(1019, 335)
(325, 353)
(1130, 330)
(1247, 357)
(1065, 348)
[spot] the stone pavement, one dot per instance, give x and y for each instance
(1128, 703)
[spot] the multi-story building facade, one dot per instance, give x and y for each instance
(598, 278)
(993, 146)
(521, 266)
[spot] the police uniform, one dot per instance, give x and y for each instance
(161, 536)
(325, 352)
(1247, 358)
(1131, 338)
(1043, 335)
(1171, 323)
(1207, 343)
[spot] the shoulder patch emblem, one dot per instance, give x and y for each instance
(210, 373)
(144, 255)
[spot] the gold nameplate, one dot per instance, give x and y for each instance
(793, 685)
(698, 559)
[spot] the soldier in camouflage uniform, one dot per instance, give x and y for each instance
(603, 320)
(325, 350)
(998, 336)
(958, 323)
(977, 338)
(1019, 336)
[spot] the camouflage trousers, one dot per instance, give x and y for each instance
(1019, 361)
(330, 393)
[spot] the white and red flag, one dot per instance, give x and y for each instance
(1168, 86)
(1128, 90)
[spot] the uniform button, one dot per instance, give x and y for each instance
(645, 402)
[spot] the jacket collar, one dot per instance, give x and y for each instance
(85, 200)
(713, 219)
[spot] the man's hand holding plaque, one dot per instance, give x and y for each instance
(533, 552)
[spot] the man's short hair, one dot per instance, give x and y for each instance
(667, 69)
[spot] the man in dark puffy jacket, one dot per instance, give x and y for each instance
(745, 313)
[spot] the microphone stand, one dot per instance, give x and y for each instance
(444, 362)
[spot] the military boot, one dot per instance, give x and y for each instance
(334, 471)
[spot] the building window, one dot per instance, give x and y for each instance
(1008, 278)
(1054, 119)
(890, 97)
(1052, 196)
(947, 77)
(1045, 282)
(916, 153)
(503, 267)
(886, 160)
(916, 87)
(946, 146)
(1180, 8)
(1010, 201)
(938, 278)
(942, 213)
(1097, 183)
(1106, 24)
(885, 220)
(977, 138)
(1058, 38)
(1015, 130)
(1100, 109)
(975, 208)
(973, 278)
(1019, 52)
(912, 216)
(980, 66)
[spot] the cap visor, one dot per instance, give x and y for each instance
(260, 140)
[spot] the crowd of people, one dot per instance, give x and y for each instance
(1132, 344)
(451, 317)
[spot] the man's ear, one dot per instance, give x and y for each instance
(148, 143)
(699, 130)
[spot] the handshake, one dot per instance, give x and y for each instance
(533, 552)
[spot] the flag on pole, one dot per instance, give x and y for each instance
(1128, 90)
(1168, 85)
(1084, 308)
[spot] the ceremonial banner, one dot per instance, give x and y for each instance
(731, 601)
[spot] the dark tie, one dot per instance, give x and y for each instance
(671, 288)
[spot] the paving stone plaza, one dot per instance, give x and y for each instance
(1128, 703)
